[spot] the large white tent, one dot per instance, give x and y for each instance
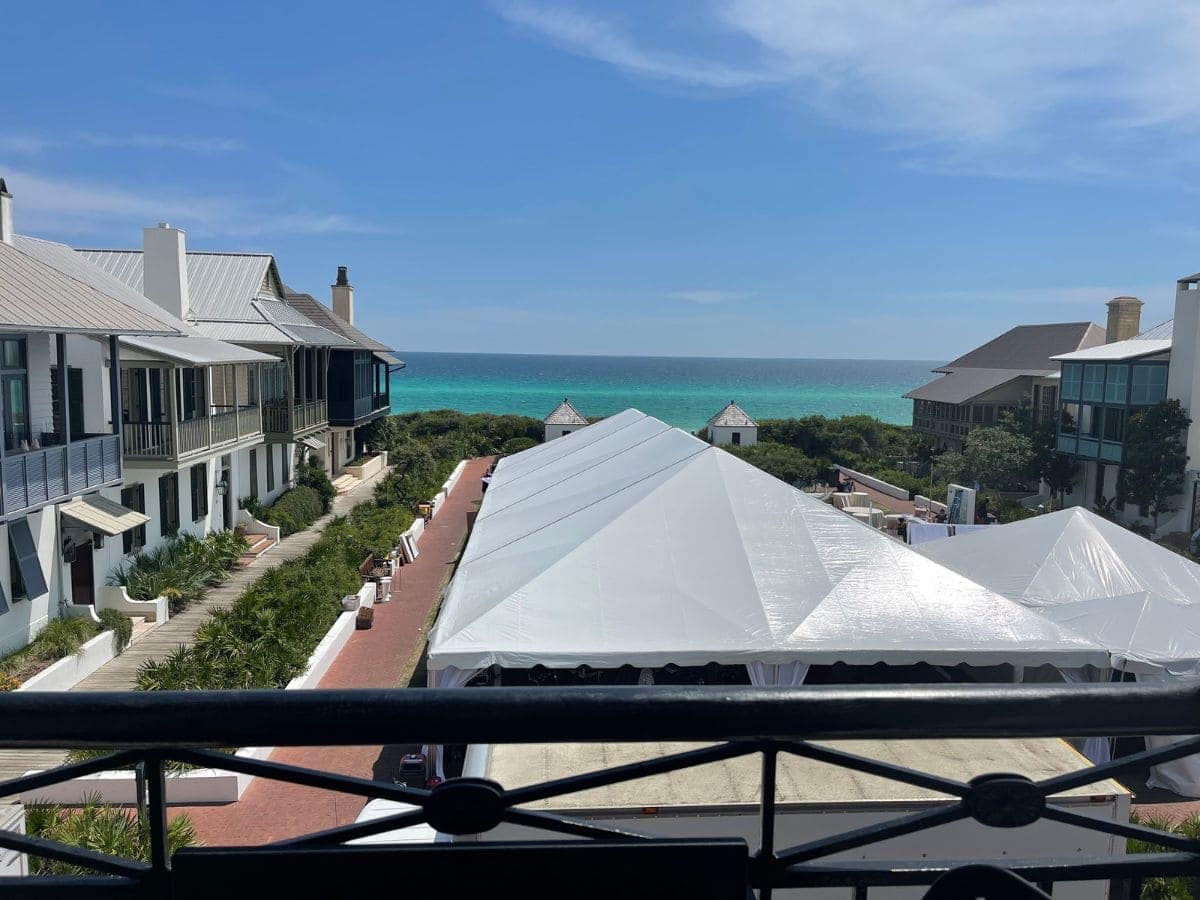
(631, 542)
(1133, 597)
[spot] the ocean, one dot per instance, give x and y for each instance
(682, 391)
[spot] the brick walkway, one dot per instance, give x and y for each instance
(384, 656)
(882, 500)
(120, 673)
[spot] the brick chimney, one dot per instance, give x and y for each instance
(1124, 319)
(164, 268)
(6, 225)
(343, 296)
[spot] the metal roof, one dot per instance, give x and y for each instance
(394, 362)
(565, 414)
(293, 322)
(245, 332)
(106, 516)
(962, 385)
(1134, 348)
(35, 296)
(220, 285)
(1161, 331)
(323, 315)
(190, 348)
(1029, 347)
(732, 416)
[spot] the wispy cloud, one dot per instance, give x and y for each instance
(1022, 89)
(708, 297)
(47, 203)
(34, 144)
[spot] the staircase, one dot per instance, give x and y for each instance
(344, 484)
(259, 544)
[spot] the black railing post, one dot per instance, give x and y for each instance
(156, 818)
(766, 850)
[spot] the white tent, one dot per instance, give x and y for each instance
(630, 542)
(1137, 599)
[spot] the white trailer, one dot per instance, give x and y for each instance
(817, 799)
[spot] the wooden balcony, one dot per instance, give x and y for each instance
(164, 441)
(52, 474)
(282, 422)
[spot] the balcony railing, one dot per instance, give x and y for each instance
(601, 859)
(248, 420)
(224, 426)
(155, 440)
(278, 419)
(35, 477)
(148, 439)
(353, 410)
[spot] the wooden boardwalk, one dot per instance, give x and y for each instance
(120, 674)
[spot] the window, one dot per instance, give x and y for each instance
(14, 388)
(133, 496)
(1070, 419)
(1089, 420)
(1072, 376)
(1116, 386)
(271, 467)
(192, 402)
(989, 415)
(1148, 384)
(24, 566)
(977, 415)
(1114, 424)
(1093, 382)
(168, 504)
(253, 474)
(199, 491)
(74, 401)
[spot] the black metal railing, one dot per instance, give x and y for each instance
(770, 722)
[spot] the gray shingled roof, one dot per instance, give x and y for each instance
(190, 347)
(732, 416)
(1029, 347)
(961, 385)
(323, 315)
(35, 296)
(565, 414)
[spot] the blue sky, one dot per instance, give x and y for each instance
(715, 177)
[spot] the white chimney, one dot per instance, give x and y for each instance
(164, 265)
(343, 296)
(6, 226)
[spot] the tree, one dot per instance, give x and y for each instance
(785, 463)
(1155, 458)
(1057, 469)
(992, 456)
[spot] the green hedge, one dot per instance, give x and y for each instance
(265, 638)
(295, 510)
(181, 569)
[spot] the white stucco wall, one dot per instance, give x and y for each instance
(554, 431)
(25, 618)
(723, 435)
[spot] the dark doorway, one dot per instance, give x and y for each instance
(83, 576)
(226, 478)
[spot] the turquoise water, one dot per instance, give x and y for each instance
(682, 391)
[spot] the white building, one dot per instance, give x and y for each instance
(563, 420)
(60, 455)
(731, 426)
(237, 298)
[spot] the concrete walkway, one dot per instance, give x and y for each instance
(383, 657)
(120, 674)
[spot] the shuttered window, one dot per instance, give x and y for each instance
(133, 496)
(199, 491)
(254, 474)
(271, 467)
(283, 455)
(168, 504)
(26, 569)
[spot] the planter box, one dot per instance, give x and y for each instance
(70, 670)
(368, 469)
(198, 785)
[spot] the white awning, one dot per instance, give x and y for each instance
(313, 443)
(103, 515)
(631, 542)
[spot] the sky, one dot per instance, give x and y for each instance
(834, 178)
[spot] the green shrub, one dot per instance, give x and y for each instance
(295, 510)
(119, 624)
(181, 569)
(97, 826)
(311, 474)
(517, 444)
(785, 463)
(1164, 888)
(60, 638)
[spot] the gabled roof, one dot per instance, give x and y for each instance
(189, 347)
(732, 416)
(323, 315)
(35, 296)
(226, 288)
(1029, 347)
(962, 385)
(674, 551)
(565, 414)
